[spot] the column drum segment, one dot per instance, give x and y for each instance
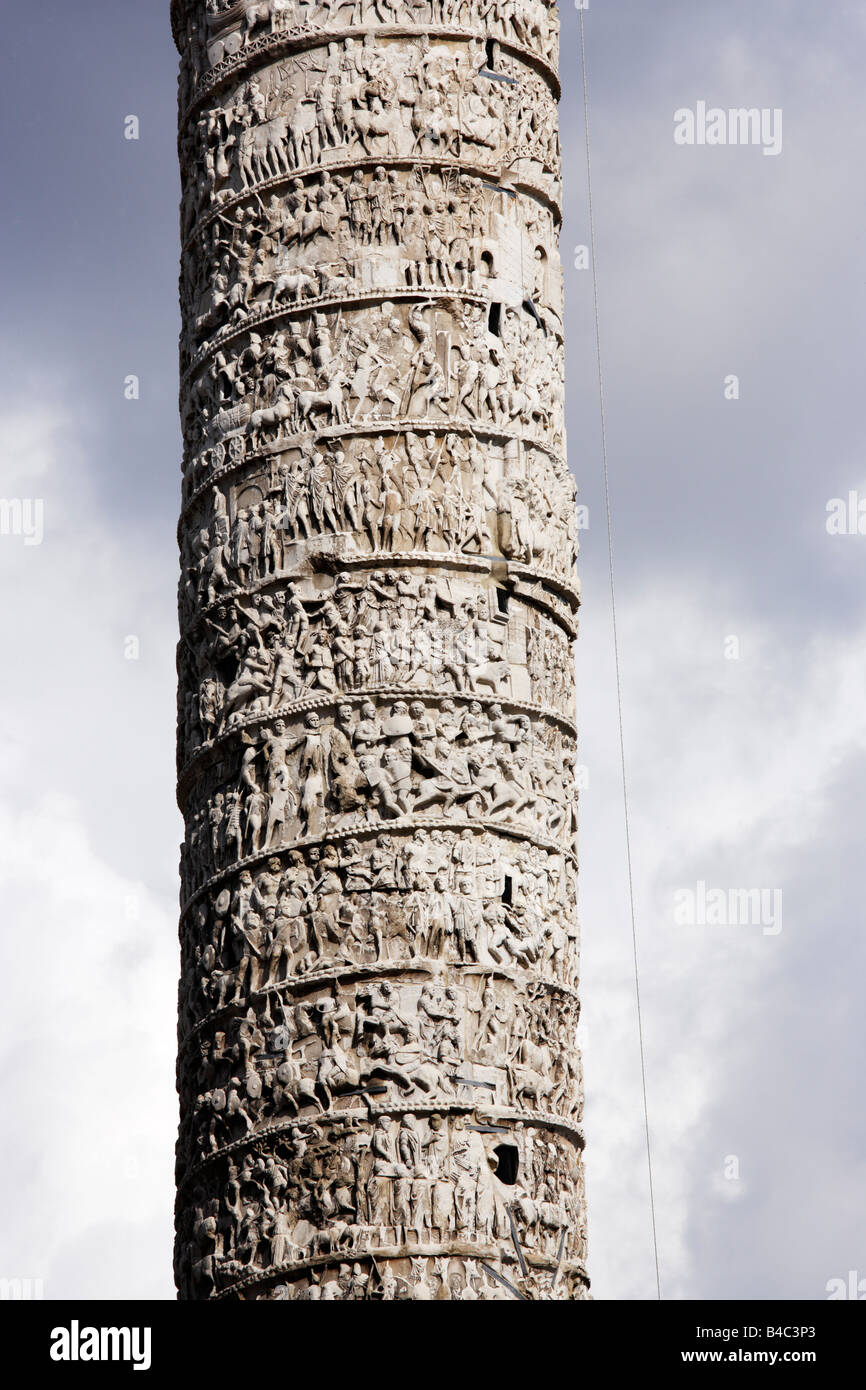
(379, 1078)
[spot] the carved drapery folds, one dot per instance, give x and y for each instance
(379, 1076)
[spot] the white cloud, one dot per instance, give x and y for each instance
(733, 773)
(88, 1062)
(742, 773)
(88, 953)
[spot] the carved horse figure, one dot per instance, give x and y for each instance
(292, 1089)
(303, 134)
(297, 283)
(277, 414)
(255, 12)
(243, 19)
(375, 124)
(330, 401)
(530, 21)
(262, 150)
(529, 1075)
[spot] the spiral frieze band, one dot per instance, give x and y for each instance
(380, 1083)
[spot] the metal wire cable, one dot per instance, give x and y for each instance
(616, 655)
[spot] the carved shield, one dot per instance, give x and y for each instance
(398, 725)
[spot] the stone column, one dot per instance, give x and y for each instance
(379, 1078)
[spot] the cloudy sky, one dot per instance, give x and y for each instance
(742, 625)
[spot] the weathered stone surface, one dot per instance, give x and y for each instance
(379, 1078)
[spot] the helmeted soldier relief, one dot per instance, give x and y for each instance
(380, 1082)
